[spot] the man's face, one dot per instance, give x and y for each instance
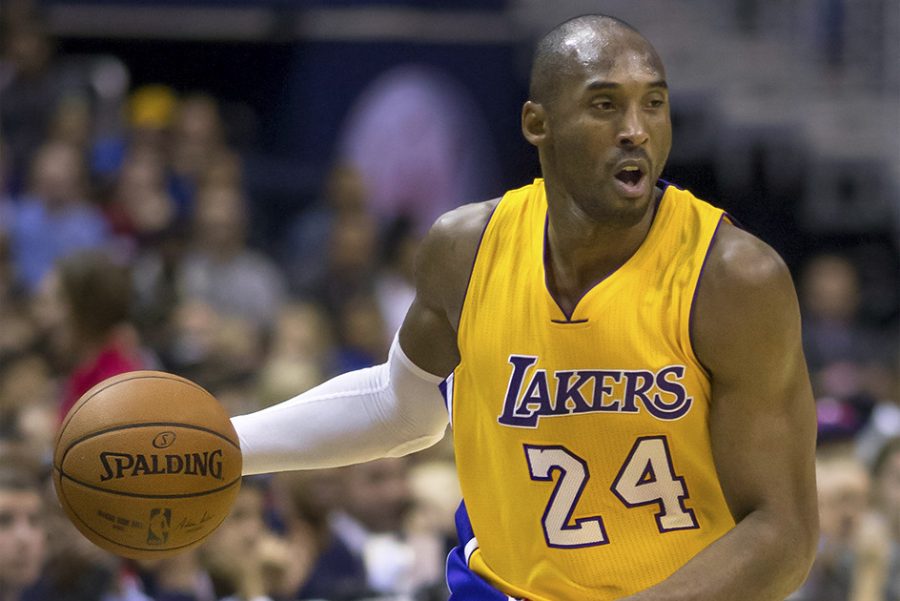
(22, 538)
(608, 128)
(377, 494)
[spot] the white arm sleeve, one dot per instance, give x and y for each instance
(389, 410)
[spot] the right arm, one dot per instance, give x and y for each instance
(391, 409)
(443, 268)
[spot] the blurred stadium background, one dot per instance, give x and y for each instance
(259, 173)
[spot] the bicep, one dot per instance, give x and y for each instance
(763, 437)
(443, 266)
(762, 418)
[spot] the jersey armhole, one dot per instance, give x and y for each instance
(689, 321)
(475, 261)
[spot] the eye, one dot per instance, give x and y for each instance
(603, 104)
(656, 103)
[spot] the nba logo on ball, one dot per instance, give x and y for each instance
(158, 530)
(147, 464)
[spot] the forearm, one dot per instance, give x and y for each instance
(760, 559)
(388, 410)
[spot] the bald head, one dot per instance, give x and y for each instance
(581, 41)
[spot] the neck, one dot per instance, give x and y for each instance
(90, 345)
(580, 251)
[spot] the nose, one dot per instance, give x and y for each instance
(633, 131)
(25, 533)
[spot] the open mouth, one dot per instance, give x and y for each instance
(630, 176)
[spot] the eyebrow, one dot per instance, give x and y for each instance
(608, 85)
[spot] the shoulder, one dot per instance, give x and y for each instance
(462, 226)
(745, 299)
(447, 255)
(740, 263)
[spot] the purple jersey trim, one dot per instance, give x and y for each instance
(546, 255)
(733, 221)
(697, 289)
(464, 584)
(487, 222)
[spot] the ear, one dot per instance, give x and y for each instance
(534, 122)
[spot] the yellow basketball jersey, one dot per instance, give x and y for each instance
(582, 441)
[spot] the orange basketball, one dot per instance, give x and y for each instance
(147, 464)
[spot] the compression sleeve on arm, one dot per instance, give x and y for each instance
(389, 410)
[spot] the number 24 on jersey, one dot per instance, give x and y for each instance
(647, 477)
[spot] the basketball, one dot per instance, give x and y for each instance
(147, 464)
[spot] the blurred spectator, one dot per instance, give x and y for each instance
(395, 287)
(29, 403)
(35, 566)
(364, 340)
(352, 259)
(842, 351)
(371, 526)
(197, 139)
(179, 578)
(431, 527)
(95, 294)
(30, 86)
(78, 570)
(18, 336)
(886, 539)
(303, 334)
(193, 333)
(884, 422)
(221, 270)
(830, 298)
(245, 559)
(303, 247)
(224, 168)
(320, 566)
(300, 353)
(72, 122)
(844, 488)
(55, 218)
(219, 352)
(156, 270)
(151, 111)
(140, 208)
(23, 532)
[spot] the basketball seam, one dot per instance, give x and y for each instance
(62, 474)
(136, 376)
(146, 424)
(62, 460)
(142, 549)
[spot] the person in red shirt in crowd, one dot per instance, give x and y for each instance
(95, 295)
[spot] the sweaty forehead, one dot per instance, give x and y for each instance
(609, 50)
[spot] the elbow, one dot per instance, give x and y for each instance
(808, 543)
(797, 543)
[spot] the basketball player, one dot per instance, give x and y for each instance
(630, 405)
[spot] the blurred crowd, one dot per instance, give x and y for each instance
(124, 244)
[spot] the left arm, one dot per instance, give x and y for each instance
(763, 428)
